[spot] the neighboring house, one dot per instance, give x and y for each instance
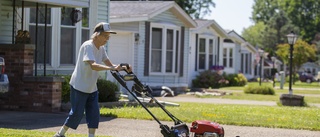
(206, 46)
(239, 56)
(270, 64)
(153, 36)
(310, 67)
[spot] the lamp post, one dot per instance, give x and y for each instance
(292, 37)
(273, 60)
(261, 55)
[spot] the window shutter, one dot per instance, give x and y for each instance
(147, 48)
(196, 54)
(181, 52)
(218, 50)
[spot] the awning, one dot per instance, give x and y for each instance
(55, 3)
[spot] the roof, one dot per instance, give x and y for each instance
(128, 11)
(212, 23)
(235, 36)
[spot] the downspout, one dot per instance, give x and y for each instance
(36, 41)
(45, 41)
(13, 19)
(22, 17)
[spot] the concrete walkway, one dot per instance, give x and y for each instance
(119, 127)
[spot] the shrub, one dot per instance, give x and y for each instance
(208, 79)
(265, 90)
(236, 79)
(108, 91)
(242, 80)
(65, 95)
(295, 78)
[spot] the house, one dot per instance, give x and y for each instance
(53, 33)
(63, 35)
(206, 45)
(239, 56)
(153, 36)
(310, 67)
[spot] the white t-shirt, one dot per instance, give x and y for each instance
(83, 77)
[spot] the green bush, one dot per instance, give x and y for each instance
(295, 78)
(208, 79)
(235, 79)
(108, 91)
(265, 90)
(65, 95)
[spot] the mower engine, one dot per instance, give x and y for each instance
(203, 128)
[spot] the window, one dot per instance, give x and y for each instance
(85, 25)
(205, 53)
(42, 47)
(67, 38)
(169, 55)
(156, 50)
(228, 57)
(224, 54)
(246, 63)
(164, 49)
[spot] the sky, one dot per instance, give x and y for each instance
(232, 14)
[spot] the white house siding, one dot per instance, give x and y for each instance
(233, 46)
(208, 34)
(166, 80)
(103, 10)
(249, 62)
(6, 21)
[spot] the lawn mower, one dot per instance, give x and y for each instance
(199, 128)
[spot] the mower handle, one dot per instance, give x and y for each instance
(127, 66)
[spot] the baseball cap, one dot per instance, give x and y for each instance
(103, 27)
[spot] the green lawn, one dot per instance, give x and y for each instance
(310, 91)
(265, 116)
(247, 115)
(5, 132)
(258, 97)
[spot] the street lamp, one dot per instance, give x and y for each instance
(261, 55)
(274, 72)
(292, 37)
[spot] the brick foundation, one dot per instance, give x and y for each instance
(27, 92)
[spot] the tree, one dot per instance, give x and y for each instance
(302, 53)
(263, 10)
(304, 14)
(196, 8)
(276, 30)
(253, 34)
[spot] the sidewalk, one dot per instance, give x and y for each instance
(222, 101)
(119, 127)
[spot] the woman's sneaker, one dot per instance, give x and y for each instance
(58, 135)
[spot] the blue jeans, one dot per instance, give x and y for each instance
(83, 102)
